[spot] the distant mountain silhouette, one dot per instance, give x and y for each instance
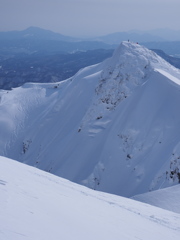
(116, 38)
(36, 34)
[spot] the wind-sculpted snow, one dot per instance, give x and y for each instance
(112, 127)
(40, 206)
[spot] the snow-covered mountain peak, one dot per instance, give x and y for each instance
(129, 53)
(112, 127)
(130, 66)
(134, 58)
(129, 59)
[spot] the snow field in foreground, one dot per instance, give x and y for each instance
(39, 206)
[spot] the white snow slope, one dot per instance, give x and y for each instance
(36, 205)
(112, 127)
(167, 198)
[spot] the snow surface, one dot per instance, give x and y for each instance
(112, 127)
(40, 206)
(169, 76)
(167, 198)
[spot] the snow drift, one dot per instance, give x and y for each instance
(112, 127)
(36, 205)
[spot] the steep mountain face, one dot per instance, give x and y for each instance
(112, 127)
(172, 60)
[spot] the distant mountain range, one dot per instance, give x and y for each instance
(159, 35)
(37, 33)
(33, 40)
(116, 38)
(36, 39)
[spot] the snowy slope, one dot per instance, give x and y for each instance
(40, 206)
(167, 198)
(112, 127)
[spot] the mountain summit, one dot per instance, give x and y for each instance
(111, 127)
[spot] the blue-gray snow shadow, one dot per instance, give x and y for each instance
(2, 182)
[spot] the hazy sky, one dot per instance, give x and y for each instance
(89, 17)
